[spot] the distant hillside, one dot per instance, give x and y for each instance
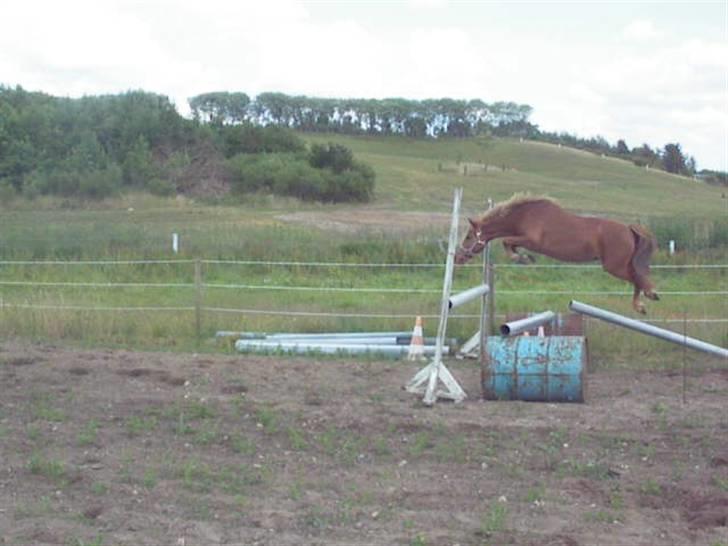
(417, 174)
(94, 147)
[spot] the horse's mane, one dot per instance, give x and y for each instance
(517, 200)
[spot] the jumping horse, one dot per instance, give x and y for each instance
(540, 225)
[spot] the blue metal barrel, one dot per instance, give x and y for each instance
(537, 369)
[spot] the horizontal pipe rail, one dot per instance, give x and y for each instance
(515, 327)
(647, 329)
(467, 295)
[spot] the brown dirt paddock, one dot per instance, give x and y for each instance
(120, 447)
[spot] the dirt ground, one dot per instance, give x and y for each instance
(118, 447)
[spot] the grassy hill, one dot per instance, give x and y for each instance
(420, 175)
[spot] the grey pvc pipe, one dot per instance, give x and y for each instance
(261, 346)
(517, 326)
(314, 336)
(467, 295)
(648, 329)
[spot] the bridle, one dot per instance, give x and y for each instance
(476, 247)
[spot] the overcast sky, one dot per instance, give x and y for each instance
(648, 72)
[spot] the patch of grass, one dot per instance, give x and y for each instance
(242, 444)
(267, 417)
(422, 442)
(602, 516)
(88, 434)
(296, 491)
(98, 488)
(296, 439)
(136, 425)
(41, 409)
(34, 433)
(591, 470)
(48, 468)
(452, 449)
(150, 478)
(36, 509)
(536, 494)
(197, 476)
(205, 436)
(720, 483)
(97, 541)
(199, 410)
(651, 487)
(494, 521)
(616, 500)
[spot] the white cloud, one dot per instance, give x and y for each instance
(641, 83)
(641, 30)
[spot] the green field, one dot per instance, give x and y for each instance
(412, 176)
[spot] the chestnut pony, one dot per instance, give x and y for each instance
(539, 224)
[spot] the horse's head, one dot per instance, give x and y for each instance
(473, 244)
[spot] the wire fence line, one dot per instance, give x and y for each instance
(198, 285)
(237, 311)
(66, 284)
(182, 261)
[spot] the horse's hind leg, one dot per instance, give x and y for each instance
(618, 265)
(645, 284)
(637, 305)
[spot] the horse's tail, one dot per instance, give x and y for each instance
(645, 245)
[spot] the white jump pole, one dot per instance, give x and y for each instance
(464, 297)
(517, 326)
(436, 369)
(648, 329)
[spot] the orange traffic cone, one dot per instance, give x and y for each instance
(417, 343)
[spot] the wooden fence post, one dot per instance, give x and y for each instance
(198, 300)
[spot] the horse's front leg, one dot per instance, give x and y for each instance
(510, 244)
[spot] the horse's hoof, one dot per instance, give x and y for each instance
(653, 296)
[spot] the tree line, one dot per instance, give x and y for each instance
(421, 119)
(96, 146)
(394, 116)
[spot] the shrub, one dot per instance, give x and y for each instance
(292, 174)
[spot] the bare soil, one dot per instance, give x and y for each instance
(120, 447)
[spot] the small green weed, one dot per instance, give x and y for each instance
(423, 441)
(88, 434)
(53, 470)
(98, 488)
(296, 439)
(651, 487)
(136, 425)
(97, 541)
(495, 520)
(268, 419)
(536, 494)
(242, 445)
(42, 410)
(721, 483)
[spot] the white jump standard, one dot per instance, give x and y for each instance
(426, 380)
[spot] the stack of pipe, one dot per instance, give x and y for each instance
(391, 344)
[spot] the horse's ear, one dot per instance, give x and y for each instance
(472, 222)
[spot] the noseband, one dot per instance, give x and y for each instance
(476, 247)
